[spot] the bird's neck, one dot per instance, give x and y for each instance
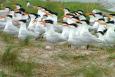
(23, 25)
(9, 20)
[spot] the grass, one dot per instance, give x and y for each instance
(70, 56)
(25, 42)
(95, 71)
(110, 50)
(11, 53)
(6, 37)
(2, 74)
(24, 68)
(112, 56)
(90, 70)
(10, 59)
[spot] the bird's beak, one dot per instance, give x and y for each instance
(87, 14)
(42, 22)
(65, 25)
(1, 17)
(47, 13)
(34, 21)
(65, 15)
(110, 16)
(26, 14)
(78, 21)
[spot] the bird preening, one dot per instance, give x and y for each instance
(77, 28)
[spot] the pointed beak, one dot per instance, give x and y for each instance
(34, 21)
(89, 14)
(110, 16)
(78, 21)
(1, 17)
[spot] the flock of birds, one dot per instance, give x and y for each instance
(76, 28)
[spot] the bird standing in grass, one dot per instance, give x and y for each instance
(51, 36)
(24, 32)
(9, 27)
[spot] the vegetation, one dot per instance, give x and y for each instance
(7, 37)
(10, 59)
(28, 58)
(62, 62)
(90, 70)
(2, 74)
(70, 56)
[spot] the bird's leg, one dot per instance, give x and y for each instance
(87, 47)
(69, 45)
(54, 46)
(74, 47)
(36, 38)
(42, 37)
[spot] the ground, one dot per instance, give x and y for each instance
(29, 58)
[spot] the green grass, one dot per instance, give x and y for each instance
(2, 74)
(6, 37)
(112, 56)
(25, 42)
(90, 70)
(70, 56)
(10, 59)
(24, 68)
(95, 71)
(110, 50)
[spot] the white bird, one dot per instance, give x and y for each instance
(18, 7)
(86, 36)
(66, 11)
(9, 27)
(98, 15)
(5, 11)
(65, 31)
(17, 16)
(2, 22)
(23, 32)
(82, 17)
(41, 11)
(53, 17)
(92, 19)
(39, 29)
(51, 36)
(33, 22)
(74, 37)
(108, 38)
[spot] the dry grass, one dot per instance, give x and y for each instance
(28, 58)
